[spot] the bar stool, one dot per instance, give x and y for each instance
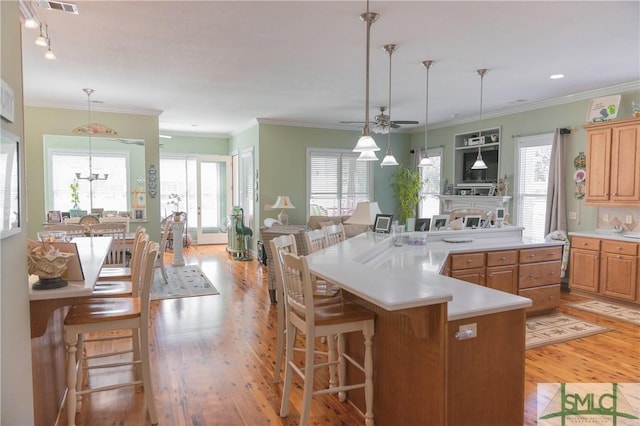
(334, 234)
(111, 314)
(322, 320)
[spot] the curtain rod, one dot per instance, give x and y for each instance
(563, 131)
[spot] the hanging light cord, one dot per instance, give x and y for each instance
(369, 18)
(89, 91)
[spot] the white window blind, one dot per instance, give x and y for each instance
(109, 194)
(432, 177)
(247, 185)
(533, 156)
(337, 182)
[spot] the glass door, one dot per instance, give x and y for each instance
(213, 198)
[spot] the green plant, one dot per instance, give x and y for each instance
(407, 189)
(75, 194)
(174, 201)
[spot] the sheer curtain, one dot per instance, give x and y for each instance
(556, 217)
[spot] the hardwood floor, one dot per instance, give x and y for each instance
(212, 358)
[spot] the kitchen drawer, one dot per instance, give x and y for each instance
(543, 254)
(539, 274)
(543, 298)
(619, 247)
(585, 243)
(466, 261)
(499, 258)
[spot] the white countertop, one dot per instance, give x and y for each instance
(92, 251)
(404, 277)
(630, 237)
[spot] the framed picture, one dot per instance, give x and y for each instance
(54, 216)
(472, 221)
(77, 213)
(382, 223)
(138, 214)
(124, 213)
(139, 199)
(439, 222)
(423, 224)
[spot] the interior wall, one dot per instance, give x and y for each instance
(544, 120)
(16, 388)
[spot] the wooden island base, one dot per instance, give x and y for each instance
(423, 372)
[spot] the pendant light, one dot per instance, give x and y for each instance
(426, 161)
(389, 159)
(367, 156)
(366, 142)
(480, 164)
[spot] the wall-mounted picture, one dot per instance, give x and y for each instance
(383, 223)
(439, 222)
(77, 213)
(423, 224)
(124, 213)
(139, 199)
(472, 221)
(138, 214)
(54, 216)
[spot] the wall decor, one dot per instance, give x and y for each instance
(152, 181)
(603, 109)
(7, 109)
(10, 189)
(139, 199)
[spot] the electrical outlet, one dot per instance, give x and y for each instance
(605, 217)
(573, 216)
(628, 219)
(469, 330)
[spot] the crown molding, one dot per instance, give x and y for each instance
(98, 108)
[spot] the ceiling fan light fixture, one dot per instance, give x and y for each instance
(426, 161)
(367, 156)
(479, 163)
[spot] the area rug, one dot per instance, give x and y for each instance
(608, 309)
(184, 281)
(556, 328)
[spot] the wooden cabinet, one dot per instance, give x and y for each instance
(469, 267)
(607, 267)
(502, 271)
(539, 277)
(613, 163)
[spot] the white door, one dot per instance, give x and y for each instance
(214, 198)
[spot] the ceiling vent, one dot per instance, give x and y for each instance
(58, 5)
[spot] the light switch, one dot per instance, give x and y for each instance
(572, 215)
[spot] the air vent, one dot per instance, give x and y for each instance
(58, 5)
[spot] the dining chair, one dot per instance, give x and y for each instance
(72, 230)
(316, 240)
(117, 255)
(313, 320)
(124, 286)
(122, 272)
(164, 241)
(112, 314)
(334, 233)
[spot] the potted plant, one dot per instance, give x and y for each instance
(407, 189)
(174, 202)
(75, 195)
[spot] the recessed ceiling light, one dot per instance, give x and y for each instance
(556, 76)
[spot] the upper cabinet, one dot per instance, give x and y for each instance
(613, 162)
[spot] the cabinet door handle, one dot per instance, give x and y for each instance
(618, 248)
(618, 257)
(584, 244)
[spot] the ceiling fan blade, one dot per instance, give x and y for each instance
(404, 122)
(356, 122)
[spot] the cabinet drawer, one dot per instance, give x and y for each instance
(619, 247)
(539, 274)
(544, 254)
(543, 298)
(474, 275)
(585, 243)
(466, 261)
(499, 258)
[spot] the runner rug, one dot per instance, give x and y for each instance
(184, 281)
(556, 328)
(608, 309)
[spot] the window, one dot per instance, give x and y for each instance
(431, 176)
(109, 194)
(247, 183)
(337, 182)
(533, 156)
(178, 176)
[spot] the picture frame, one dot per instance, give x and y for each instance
(472, 221)
(423, 224)
(77, 213)
(125, 213)
(500, 213)
(138, 214)
(139, 199)
(54, 216)
(439, 222)
(382, 223)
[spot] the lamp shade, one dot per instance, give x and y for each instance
(365, 213)
(367, 156)
(283, 202)
(366, 143)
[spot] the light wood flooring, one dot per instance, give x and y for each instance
(212, 358)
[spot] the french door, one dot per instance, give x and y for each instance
(213, 198)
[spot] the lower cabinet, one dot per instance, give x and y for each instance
(532, 273)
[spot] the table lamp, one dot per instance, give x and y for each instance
(365, 213)
(283, 202)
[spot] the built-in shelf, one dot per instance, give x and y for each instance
(455, 202)
(466, 146)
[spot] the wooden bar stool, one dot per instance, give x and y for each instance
(322, 320)
(111, 314)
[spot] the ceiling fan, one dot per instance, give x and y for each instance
(381, 123)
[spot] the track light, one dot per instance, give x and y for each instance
(42, 38)
(49, 55)
(29, 15)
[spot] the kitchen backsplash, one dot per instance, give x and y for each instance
(610, 217)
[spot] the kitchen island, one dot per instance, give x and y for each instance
(445, 351)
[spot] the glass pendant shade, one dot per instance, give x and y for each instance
(479, 163)
(367, 156)
(426, 161)
(49, 55)
(366, 143)
(42, 40)
(389, 159)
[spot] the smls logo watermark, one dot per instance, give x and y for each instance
(567, 404)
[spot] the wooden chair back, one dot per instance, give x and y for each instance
(71, 230)
(334, 233)
(316, 240)
(117, 253)
(298, 291)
